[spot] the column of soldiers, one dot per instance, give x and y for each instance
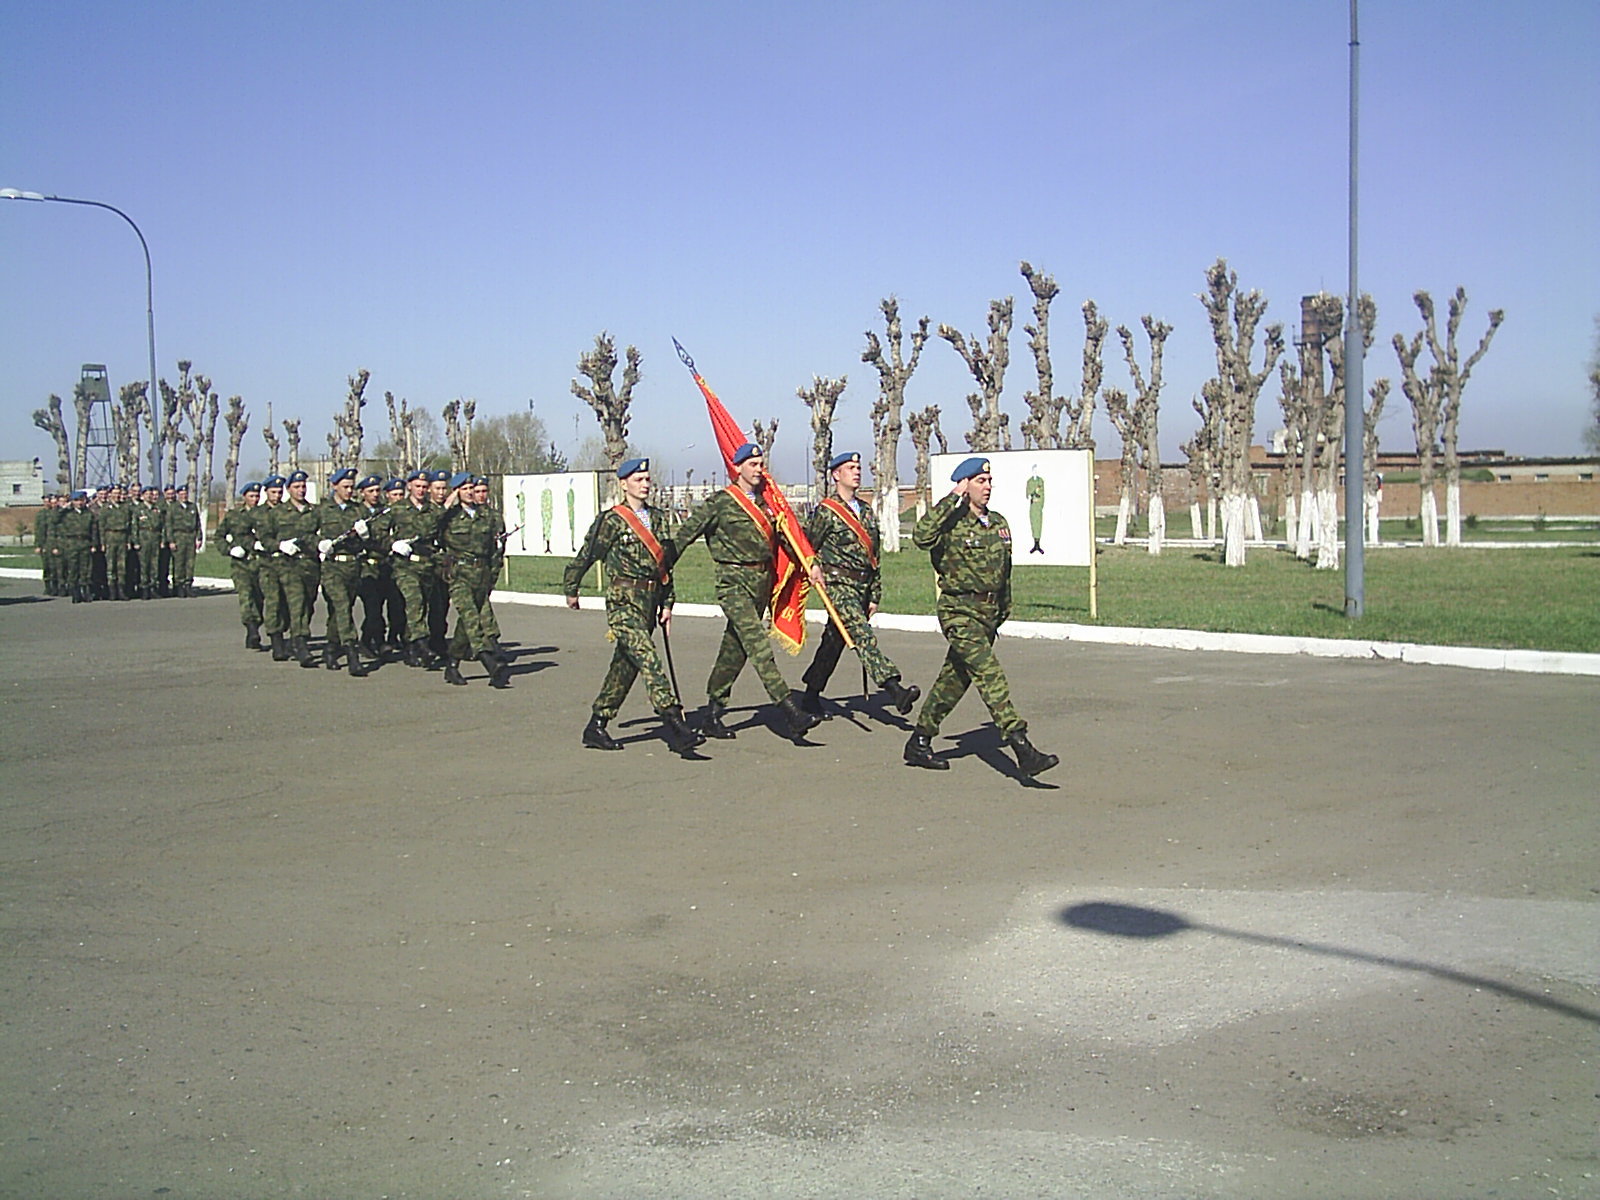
(118, 543)
(407, 550)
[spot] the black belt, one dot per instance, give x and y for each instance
(983, 597)
(765, 566)
(848, 572)
(635, 581)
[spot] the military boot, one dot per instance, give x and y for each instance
(680, 738)
(1030, 761)
(711, 724)
(452, 673)
(497, 670)
(902, 697)
(77, 594)
(417, 653)
(919, 753)
(352, 659)
(500, 652)
(280, 652)
(330, 655)
(302, 651)
(799, 721)
(252, 637)
(812, 703)
(595, 736)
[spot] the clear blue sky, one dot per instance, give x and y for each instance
(459, 196)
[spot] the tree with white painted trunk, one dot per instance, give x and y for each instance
(1234, 318)
(822, 397)
(1372, 482)
(1144, 413)
(894, 372)
(924, 429)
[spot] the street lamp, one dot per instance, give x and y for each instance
(149, 309)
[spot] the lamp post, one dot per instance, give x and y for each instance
(149, 310)
(1355, 424)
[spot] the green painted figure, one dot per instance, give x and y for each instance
(970, 547)
(1035, 494)
(628, 541)
(547, 512)
(844, 532)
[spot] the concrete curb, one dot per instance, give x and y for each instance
(1539, 662)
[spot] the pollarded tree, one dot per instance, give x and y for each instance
(1144, 414)
(344, 444)
(1042, 429)
(822, 397)
(764, 436)
(83, 403)
(51, 420)
(987, 363)
(291, 431)
(237, 422)
(1128, 465)
(1233, 391)
(1204, 458)
(924, 429)
(132, 400)
(894, 372)
(1080, 409)
(1372, 483)
(1591, 433)
(609, 402)
(458, 416)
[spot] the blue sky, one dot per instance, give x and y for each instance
(458, 197)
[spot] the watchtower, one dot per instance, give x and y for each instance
(99, 449)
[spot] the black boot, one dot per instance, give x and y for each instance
(595, 736)
(77, 594)
(919, 753)
(417, 653)
(252, 637)
(330, 655)
(711, 724)
(812, 703)
(502, 655)
(680, 738)
(902, 697)
(799, 721)
(280, 652)
(352, 660)
(497, 671)
(302, 651)
(452, 673)
(1030, 761)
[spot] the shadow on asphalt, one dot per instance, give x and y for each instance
(1137, 921)
(986, 744)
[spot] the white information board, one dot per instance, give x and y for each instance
(555, 511)
(1046, 496)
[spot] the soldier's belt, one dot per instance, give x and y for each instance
(763, 566)
(980, 597)
(634, 581)
(342, 558)
(847, 572)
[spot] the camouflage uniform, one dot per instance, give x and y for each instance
(183, 531)
(972, 557)
(149, 530)
(299, 573)
(236, 530)
(414, 574)
(744, 555)
(340, 572)
(854, 585)
(76, 534)
(44, 525)
(116, 529)
(637, 590)
(467, 536)
(266, 556)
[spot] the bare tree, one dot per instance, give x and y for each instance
(83, 403)
(1128, 465)
(1234, 318)
(1144, 416)
(51, 420)
(924, 429)
(1080, 409)
(822, 397)
(609, 402)
(987, 363)
(269, 434)
(132, 399)
(237, 422)
(1042, 429)
(764, 436)
(291, 431)
(344, 444)
(1372, 482)
(515, 444)
(458, 415)
(173, 411)
(894, 372)
(1591, 433)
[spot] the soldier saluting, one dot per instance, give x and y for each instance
(627, 539)
(970, 546)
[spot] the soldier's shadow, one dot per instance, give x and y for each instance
(986, 744)
(24, 599)
(866, 712)
(650, 730)
(518, 652)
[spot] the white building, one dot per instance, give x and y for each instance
(21, 482)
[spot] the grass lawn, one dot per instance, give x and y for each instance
(1530, 599)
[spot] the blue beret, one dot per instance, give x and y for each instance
(298, 477)
(632, 466)
(839, 460)
(80, 494)
(744, 452)
(251, 486)
(371, 481)
(459, 478)
(342, 474)
(394, 485)
(440, 476)
(968, 467)
(274, 481)
(418, 474)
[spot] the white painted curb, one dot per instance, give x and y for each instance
(1474, 658)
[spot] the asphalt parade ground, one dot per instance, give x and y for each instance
(1277, 926)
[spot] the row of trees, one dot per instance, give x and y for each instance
(1218, 453)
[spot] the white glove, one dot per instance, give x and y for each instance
(402, 548)
(260, 547)
(361, 527)
(289, 547)
(236, 552)
(324, 546)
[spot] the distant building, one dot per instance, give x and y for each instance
(21, 482)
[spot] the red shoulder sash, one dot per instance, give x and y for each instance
(753, 511)
(642, 530)
(842, 510)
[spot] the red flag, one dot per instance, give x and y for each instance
(794, 554)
